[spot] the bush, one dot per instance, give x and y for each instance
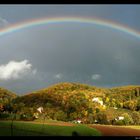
(4, 116)
(120, 122)
(60, 115)
(17, 117)
(9, 116)
(127, 119)
(27, 117)
(90, 118)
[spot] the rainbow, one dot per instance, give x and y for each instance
(44, 21)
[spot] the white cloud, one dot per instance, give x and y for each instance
(95, 76)
(58, 76)
(15, 70)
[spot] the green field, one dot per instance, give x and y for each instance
(35, 129)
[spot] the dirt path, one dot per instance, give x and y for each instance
(116, 130)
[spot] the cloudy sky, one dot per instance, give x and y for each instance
(34, 58)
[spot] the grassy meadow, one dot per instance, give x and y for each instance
(36, 129)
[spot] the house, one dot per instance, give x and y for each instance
(77, 121)
(119, 118)
(40, 109)
(115, 108)
(36, 115)
(97, 100)
(96, 121)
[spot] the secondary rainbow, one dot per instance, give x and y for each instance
(94, 21)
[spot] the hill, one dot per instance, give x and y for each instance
(61, 92)
(6, 94)
(90, 104)
(6, 98)
(69, 101)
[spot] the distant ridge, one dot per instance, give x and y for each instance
(4, 93)
(60, 90)
(69, 86)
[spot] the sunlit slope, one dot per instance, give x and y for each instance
(4, 93)
(62, 93)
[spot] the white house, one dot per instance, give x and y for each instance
(36, 115)
(95, 121)
(119, 118)
(97, 100)
(79, 121)
(40, 109)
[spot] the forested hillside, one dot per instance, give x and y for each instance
(72, 101)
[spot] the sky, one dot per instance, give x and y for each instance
(35, 58)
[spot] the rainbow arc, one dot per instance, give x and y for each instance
(45, 21)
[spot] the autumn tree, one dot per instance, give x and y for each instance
(132, 105)
(127, 119)
(136, 117)
(102, 118)
(138, 104)
(60, 115)
(1, 108)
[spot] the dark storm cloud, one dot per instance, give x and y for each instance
(3, 22)
(125, 14)
(73, 52)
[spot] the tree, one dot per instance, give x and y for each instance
(60, 115)
(113, 102)
(1, 107)
(137, 92)
(132, 105)
(90, 118)
(102, 118)
(136, 117)
(138, 104)
(90, 110)
(107, 101)
(9, 107)
(73, 116)
(127, 119)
